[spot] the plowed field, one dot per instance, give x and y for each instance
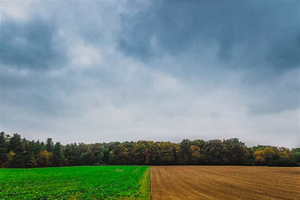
(225, 182)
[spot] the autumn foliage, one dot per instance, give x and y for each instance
(19, 152)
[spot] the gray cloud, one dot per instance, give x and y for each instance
(260, 39)
(179, 27)
(30, 45)
(284, 54)
(157, 70)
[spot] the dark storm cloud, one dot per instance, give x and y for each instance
(285, 52)
(130, 70)
(30, 45)
(179, 27)
(260, 39)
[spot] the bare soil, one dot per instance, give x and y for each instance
(225, 182)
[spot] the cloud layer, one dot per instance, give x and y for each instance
(155, 70)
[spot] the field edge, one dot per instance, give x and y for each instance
(145, 185)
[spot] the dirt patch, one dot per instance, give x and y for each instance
(225, 182)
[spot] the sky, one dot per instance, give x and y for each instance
(100, 71)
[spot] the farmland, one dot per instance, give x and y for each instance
(224, 182)
(167, 182)
(105, 182)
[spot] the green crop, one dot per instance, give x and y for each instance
(101, 182)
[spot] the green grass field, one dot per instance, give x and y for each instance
(103, 182)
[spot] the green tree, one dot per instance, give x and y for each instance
(49, 145)
(112, 158)
(124, 157)
(18, 152)
(166, 153)
(71, 154)
(16, 144)
(237, 154)
(138, 153)
(286, 157)
(296, 154)
(184, 154)
(3, 149)
(30, 160)
(58, 156)
(216, 152)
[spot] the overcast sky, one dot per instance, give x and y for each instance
(100, 71)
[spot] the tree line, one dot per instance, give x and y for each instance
(17, 152)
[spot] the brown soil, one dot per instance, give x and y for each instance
(225, 182)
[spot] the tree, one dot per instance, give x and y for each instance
(10, 157)
(176, 150)
(30, 160)
(286, 157)
(296, 154)
(58, 156)
(17, 146)
(285, 153)
(271, 154)
(153, 154)
(112, 158)
(237, 154)
(138, 153)
(96, 153)
(44, 158)
(85, 158)
(18, 152)
(124, 156)
(184, 153)
(259, 160)
(49, 145)
(99, 158)
(3, 149)
(165, 153)
(216, 152)
(195, 154)
(148, 156)
(71, 154)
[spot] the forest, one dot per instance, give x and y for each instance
(18, 152)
